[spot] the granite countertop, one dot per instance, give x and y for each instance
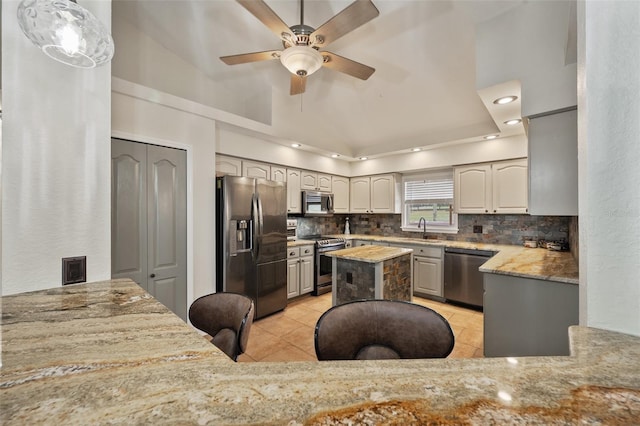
(108, 353)
(511, 260)
(298, 243)
(369, 254)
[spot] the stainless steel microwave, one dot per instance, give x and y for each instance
(317, 203)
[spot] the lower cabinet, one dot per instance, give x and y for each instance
(427, 270)
(427, 276)
(527, 317)
(300, 265)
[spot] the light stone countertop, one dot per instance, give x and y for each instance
(109, 353)
(511, 260)
(299, 243)
(370, 254)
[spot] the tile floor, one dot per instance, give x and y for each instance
(288, 335)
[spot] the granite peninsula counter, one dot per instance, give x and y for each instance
(109, 353)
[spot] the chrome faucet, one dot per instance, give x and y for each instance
(423, 221)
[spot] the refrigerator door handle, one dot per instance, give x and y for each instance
(256, 216)
(260, 225)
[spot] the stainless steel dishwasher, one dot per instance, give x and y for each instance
(462, 281)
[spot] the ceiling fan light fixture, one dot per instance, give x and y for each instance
(66, 32)
(301, 60)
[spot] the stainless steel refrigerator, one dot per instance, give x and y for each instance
(251, 241)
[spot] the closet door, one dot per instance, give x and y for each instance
(148, 225)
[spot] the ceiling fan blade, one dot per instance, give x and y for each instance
(350, 18)
(268, 17)
(347, 66)
(298, 84)
(250, 57)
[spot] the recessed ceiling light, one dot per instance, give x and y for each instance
(364, 158)
(296, 145)
(505, 100)
(490, 137)
(335, 155)
(512, 122)
(416, 149)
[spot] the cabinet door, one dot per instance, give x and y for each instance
(324, 183)
(228, 166)
(472, 189)
(294, 197)
(553, 164)
(309, 181)
(340, 188)
(278, 174)
(293, 277)
(427, 276)
(382, 194)
(306, 274)
(256, 170)
(359, 195)
(510, 186)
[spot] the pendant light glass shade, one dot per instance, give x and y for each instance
(301, 60)
(66, 32)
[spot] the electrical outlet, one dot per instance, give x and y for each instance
(74, 270)
(349, 277)
(477, 229)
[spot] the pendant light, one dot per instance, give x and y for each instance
(66, 32)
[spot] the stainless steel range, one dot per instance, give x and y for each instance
(323, 263)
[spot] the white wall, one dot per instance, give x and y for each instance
(153, 117)
(55, 162)
(259, 147)
(608, 152)
(445, 156)
(137, 58)
(528, 43)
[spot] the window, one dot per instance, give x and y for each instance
(430, 196)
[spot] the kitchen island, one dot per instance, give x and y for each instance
(109, 353)
(371, 272)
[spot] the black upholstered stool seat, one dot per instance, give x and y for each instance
(382, 329)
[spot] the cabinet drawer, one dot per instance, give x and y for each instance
(293, 252)
(427, 251)
(306, 251)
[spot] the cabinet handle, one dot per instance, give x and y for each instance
(495, 211)
(292, 253)
(486, 211)
(152, 276)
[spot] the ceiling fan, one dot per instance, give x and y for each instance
(302, 43)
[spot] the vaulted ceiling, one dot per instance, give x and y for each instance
(422, 93)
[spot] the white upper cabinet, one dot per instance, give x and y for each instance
(256, 170)
(294, 197)
(312, 181)
(491, 188)
(472, 189)
(359, 195)
(510, 186)
(553, 164)
(278, 174)
(340, 189)
(228, 166)
(375, 194)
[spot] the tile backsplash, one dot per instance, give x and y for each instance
(496, 229)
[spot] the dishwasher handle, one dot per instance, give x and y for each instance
(472, 252)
